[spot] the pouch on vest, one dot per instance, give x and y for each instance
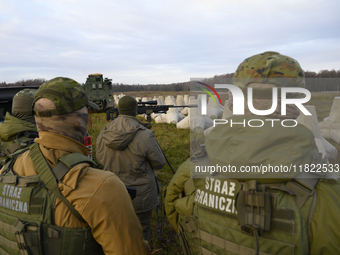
(188, 234)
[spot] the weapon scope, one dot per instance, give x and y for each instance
(147, 108)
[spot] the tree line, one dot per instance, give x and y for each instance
(29, 83)
(324, 80)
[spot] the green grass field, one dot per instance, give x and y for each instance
(175, 145)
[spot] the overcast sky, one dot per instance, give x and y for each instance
(161, 41)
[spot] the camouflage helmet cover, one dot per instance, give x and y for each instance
(269, 67)
(67, 95)
(22, 103)
(25, 93)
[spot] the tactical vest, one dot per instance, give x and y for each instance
(27, 210)
(235, 217)
(23, 139)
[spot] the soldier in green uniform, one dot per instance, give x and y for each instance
(269, 212)
(18, 129)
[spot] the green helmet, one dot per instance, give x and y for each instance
(22, 103)
(25, 93)
(67, 95)
(269, 67)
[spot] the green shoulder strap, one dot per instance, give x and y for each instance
(10, 160)
(17, 144)
(49, 180)
(66, 162)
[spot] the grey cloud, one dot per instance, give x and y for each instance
(161, 41)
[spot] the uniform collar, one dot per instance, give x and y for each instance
(60, 142)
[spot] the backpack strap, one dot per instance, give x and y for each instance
(11, 149)
(49, 180)
(302, 189)
(67, 162)
(10, 160)
(17, 144)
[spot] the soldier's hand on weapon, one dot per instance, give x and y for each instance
(147, 124)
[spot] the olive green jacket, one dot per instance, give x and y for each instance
(130, 150)
(245, 146)
(9, 130)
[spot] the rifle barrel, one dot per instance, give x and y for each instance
(148, 109)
